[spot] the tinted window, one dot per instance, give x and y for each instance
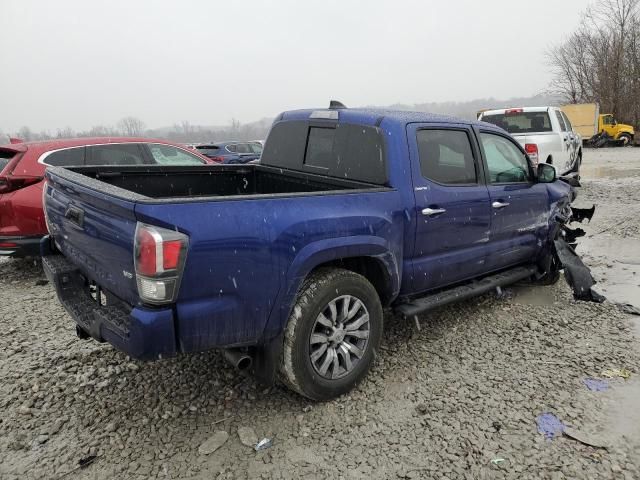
(446, 157)
(320, 147)
(168, 155)
(563, 127)
(608, 120)
(505, 161)
(359, 148)
(208, 150)
(121, 154)
(66, 158)
(567, 122)
(5, 156)
(520, 122)
(232, 148)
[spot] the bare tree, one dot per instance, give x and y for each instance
(131, 126)
(600, 61)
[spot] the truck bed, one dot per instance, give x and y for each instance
(144, 183)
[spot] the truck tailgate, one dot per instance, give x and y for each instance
(95, 231)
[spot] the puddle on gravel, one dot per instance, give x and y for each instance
(615, 264)
(532, 295)
(590, 172)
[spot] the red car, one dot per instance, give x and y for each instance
(22, 167)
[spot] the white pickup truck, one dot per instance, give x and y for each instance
(545, 133)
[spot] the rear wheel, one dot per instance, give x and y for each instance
(625, 139)
(333, 334)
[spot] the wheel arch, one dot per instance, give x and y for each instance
(371, 257)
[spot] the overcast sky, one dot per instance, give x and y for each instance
(83, 63)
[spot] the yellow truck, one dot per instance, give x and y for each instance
(588, 121)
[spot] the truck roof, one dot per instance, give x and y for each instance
(374, 116)
(524, 109)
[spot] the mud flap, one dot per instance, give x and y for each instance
(577, 274)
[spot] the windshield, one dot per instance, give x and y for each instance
(168, 155)
(521, 122)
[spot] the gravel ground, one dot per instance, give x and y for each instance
(457, 398)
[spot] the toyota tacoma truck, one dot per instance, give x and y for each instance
(545, 133)
(287, 265)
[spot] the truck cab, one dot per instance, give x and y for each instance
(545, 133)
(618, 131)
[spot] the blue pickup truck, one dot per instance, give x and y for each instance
(287, 265)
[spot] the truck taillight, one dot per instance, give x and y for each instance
(159, 256)
(532, 151)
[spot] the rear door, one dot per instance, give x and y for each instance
(452, 205)
(566, 140)
(518, 204)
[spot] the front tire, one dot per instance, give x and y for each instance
(333, 334)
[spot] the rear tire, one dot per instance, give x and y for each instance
(333, 334)
(626, 139)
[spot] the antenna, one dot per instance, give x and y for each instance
(335, 104)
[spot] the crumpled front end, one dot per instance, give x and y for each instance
(563, 240)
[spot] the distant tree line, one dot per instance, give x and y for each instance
(183, 132)
(600, 61)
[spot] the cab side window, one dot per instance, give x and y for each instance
(446, 157)
(506, 162)
(66, 157)
(115, 154)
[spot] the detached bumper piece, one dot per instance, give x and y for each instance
(577, 273)
(141, 333)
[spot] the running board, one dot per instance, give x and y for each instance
(462, 292)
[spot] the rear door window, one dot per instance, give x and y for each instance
(563, 126)
(567, 122)
(66, 157)
(232, 148)
(446, 157)
(115, 154)
(169, 155)
(506, 163)
(243, 148)
(209, 150)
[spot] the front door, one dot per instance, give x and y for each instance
(519, 205)
(452, 205)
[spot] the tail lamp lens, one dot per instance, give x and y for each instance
(532, 151)
(159, 260)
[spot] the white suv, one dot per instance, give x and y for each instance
(545, 133)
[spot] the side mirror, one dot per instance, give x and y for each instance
(546, 173)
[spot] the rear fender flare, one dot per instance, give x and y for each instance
(325, 251)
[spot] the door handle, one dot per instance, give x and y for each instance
(429, 212)
(500, 204)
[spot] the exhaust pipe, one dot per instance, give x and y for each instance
(239, 360)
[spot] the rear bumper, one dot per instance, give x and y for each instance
(20, 246)
(141, 333)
